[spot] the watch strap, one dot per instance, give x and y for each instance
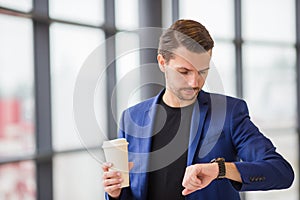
(221, 165)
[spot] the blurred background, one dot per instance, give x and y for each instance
(44, 43)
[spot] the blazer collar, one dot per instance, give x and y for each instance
(197, 121)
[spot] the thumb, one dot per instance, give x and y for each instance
(186, 192)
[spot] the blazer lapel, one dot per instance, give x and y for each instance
(148, 118)
(197, 122)
(145, 145)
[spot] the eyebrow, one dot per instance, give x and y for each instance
(184, 68)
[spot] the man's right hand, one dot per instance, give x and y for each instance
(111, 181)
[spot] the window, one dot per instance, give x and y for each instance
(16, 87)
(126, 14)
(82, 11)
(216, 16)
(70, 48)
(271, 21)
(17, 181)
(222, 68)
(72, 169)
(21, 5)
(128, 71)
(270, 84)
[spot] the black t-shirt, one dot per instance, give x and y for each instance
(169, 152)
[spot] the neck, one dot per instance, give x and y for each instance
(173, 101)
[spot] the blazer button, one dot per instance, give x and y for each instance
(251, 179)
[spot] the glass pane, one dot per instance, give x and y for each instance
(17, 181)
(16, 86)
(269, 20)
(77, 176)
(127, 14)
(286, 142)
(84, 11)
(21, 5)
(215, 15)
(71, 47)
(223, 68)
(270, 85)
(128, 70)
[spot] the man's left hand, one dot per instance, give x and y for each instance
(198, 176)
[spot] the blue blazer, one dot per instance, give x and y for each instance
(220, 127)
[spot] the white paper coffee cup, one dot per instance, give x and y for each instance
(116, 152)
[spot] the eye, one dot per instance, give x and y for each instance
(183, 71)
(203, 72)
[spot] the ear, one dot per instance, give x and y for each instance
(161, 62)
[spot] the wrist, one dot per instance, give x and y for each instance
(215, 168)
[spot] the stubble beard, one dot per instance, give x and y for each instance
(181, 96)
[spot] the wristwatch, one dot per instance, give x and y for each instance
(221, 164)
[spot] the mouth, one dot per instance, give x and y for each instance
(190, 91)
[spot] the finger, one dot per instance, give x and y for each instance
(111, 182)
(187, 191)
(130, 165)
(111, 174)
(112, 188)
(196, 180)
(105, 166)
(192, 186)
(191, 180)
(191, 183)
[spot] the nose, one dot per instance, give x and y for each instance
(194, 80)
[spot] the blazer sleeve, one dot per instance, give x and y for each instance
(261, 167)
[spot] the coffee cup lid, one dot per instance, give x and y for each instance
(114, 143)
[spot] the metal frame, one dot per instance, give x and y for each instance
(175, 10)
(238, 47)
(43, 134)
(110, 48)
(297, 11)
(148, 55)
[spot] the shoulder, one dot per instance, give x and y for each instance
(140, 107)
(146, 104)
(137, 113)
(218, 97)
(220, 100)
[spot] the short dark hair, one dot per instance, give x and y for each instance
(188, 33)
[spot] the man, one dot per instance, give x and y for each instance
(189, 144)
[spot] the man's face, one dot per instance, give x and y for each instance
(185, 75)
